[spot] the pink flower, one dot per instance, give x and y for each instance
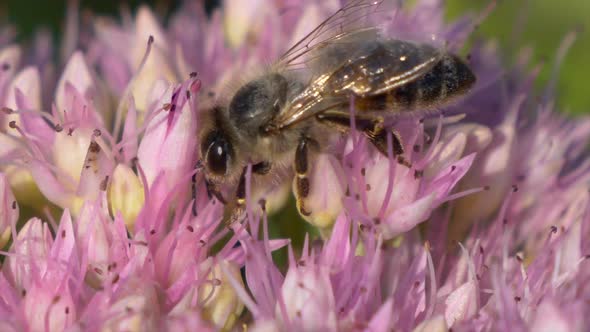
(479, 226)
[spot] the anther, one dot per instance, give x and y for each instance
(195, 86)
(94, 147)
(104, 183)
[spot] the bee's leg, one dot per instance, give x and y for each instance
(240, 204)
(301, 172)
(260, 168)
(378, 137)
(373, 130)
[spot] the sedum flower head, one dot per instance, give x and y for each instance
(480, 227)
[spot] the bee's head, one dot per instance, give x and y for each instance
(257, 102)
(217, 152)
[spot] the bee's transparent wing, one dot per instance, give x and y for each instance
(372, 68)
(347, 19)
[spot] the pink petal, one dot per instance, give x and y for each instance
(550, 318)
(338, 249)
(48, 184)
(381, 321)
(168, 145)
(64, 247)
(407, 217)
(98, 168)
(461, 303)
(11, 56)
(46, 309)
(31, 249)
(28, 81)
(446, 180)
(77, 74)
(130, 132)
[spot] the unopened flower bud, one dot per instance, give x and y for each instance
(242, 22)
(221, 305)
(309, 300)
(434, 324)
(8, 210)
(125, 194)
(324, 201)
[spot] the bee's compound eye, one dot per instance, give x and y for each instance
(218, 155)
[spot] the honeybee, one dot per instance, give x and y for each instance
(280, 117)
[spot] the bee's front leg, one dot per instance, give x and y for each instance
(261, 168)
(301, 172)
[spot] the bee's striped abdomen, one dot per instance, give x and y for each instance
(448, 79)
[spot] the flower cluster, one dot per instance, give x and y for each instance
(480, 230)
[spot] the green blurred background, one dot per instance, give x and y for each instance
(546, 22)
